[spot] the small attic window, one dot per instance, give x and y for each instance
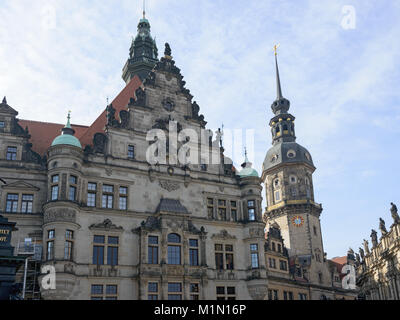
(2, 124)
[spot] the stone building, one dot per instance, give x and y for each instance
(116, 226)
(378, 266)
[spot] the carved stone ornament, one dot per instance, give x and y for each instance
(168, 104)
(169, 185)
(59, 215)
(106, 225)
(223, 235)
(140, 100)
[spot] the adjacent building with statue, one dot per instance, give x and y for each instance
(86, 200)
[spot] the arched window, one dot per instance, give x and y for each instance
(285, 127)
(174, 238)
(174, 249)
(277, 129)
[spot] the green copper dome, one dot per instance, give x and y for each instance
(66, 139)
(67, 136)
(247, 170)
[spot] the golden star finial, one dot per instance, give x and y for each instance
(276, 48)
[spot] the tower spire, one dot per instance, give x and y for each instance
(144, 9)
(278, 80)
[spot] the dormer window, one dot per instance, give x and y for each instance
(2, 125)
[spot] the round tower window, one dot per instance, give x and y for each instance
(291, 154)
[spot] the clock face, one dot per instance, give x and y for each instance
(298, 221)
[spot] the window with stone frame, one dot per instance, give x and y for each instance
(91, 194)
(27, 203)
(283, 265)
(73, 181)
(194, 291)
(193, 252)
(98, 249)
(69, 244)
(226, 293)
(303, 296)
(222, 210)
(254, 256)
(11, 154)
(273, 294)
(234, 215)
(131, 152)
(152, 252)
(174, 249)
(123, 198)
(224, 259)
(174, 291)
(107, 200)
(272, 263)
(288, 295)
(12, 203)
(152, 291)
(251, 209)
(112, 250)
(98, 292)
(50, 250)
(55, 179)
(210, 208)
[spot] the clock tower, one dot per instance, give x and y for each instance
(287, 176)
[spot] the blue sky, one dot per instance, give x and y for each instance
(342, 83)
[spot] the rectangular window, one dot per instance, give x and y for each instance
(222, 209)
(123, 193)
(91, 195)
(272, 263)
(97, 289)
(98, 250)
(73, 179)
(174, 291)
(302, 296)
(112, 251)
(194, 291)
(27, 203)
(277, 196)
(174, 255)
(193, 252)
(111, 292)
(2, 124)
(152, 290)
(234, 210)
(72, 193)
(210, 208)
(50, 250)
(251, 210)
(54, 193)
(131, 152)
(51, 234)
(254, 256)
(12, 203)
(55, 179)
(153, 250)
(228, 293)
(108, 197)
(283, 265)
(68, 250)
(11, 153)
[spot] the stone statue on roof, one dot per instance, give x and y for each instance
(374, 238)
(395, 215)
(382, 226)
(362, 254)
(366, 246)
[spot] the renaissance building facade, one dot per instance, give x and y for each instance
(378, 265)
(87, 201)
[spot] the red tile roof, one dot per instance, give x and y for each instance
(43, 133)
(119, 103)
